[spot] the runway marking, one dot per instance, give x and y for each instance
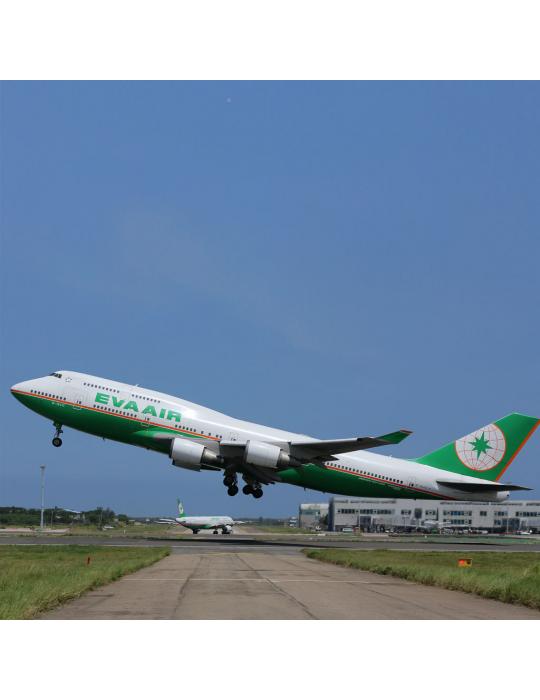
(282, 580)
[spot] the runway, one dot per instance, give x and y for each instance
(221, 543)
(276, 583)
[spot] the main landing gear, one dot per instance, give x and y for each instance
(229, 480)
(252, 488)
(57, 441)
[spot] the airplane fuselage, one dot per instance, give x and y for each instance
(142, 417)
(206, 522)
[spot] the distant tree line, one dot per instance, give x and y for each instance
(14, 515)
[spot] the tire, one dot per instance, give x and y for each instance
(228, 480)
(247, 489)
(257, 493)
(195, 532)
(232, 490)
(57, 442)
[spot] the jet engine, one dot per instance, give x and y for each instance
(192, 455)
(262, 454)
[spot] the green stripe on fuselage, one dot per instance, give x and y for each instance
(130, 430)
(134, 431)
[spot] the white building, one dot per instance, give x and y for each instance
(373, 514)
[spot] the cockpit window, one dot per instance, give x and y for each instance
(55, 374)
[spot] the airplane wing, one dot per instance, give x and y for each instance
(475, 486)
(325, 449)
(321, 450)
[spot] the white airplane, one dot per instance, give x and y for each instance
(198, 438)
(436, 525)
(204, 522)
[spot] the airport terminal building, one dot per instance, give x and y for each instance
(372, 515)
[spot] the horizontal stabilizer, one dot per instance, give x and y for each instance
(474, 486)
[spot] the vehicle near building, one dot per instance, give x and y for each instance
(313, 515)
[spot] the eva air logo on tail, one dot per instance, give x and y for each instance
(487, 451)
(483, 449)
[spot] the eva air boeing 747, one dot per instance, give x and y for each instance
(198, 438)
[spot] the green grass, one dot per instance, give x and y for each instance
(511, 577)
(35, 579)
(130, 530)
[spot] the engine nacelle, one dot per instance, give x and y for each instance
(262, 454)
(192, 455)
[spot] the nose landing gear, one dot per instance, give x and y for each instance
(57, 441)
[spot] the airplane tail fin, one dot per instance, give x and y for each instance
(487, 452)
(180, 508)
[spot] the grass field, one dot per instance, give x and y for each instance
(34, 579)
(512, 577)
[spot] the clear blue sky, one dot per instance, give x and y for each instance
(337, 259)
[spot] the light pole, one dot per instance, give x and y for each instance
(42, 495)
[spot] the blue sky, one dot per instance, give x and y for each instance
(337, 259)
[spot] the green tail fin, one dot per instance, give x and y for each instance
(180, 508)
(487, 452)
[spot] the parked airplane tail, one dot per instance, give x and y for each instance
(180, 508)
(487, 452)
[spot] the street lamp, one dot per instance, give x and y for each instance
(42, 495)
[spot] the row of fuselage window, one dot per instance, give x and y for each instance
(49, 396)
(364, 473)
(117, 411)
(117, 391)
(131, 415)
(137, 396)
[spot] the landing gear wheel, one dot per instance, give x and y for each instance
(232, 490)
(247, 489)
(257, 493)
(229, 480)
(56, 441)
(216, 532)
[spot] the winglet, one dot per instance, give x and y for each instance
(395, 438)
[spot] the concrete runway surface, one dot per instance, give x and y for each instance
(277, 583)
(242, 542)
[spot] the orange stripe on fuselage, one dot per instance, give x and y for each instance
(392, 483)
(114, 415)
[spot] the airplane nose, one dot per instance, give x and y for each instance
(19, 388)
